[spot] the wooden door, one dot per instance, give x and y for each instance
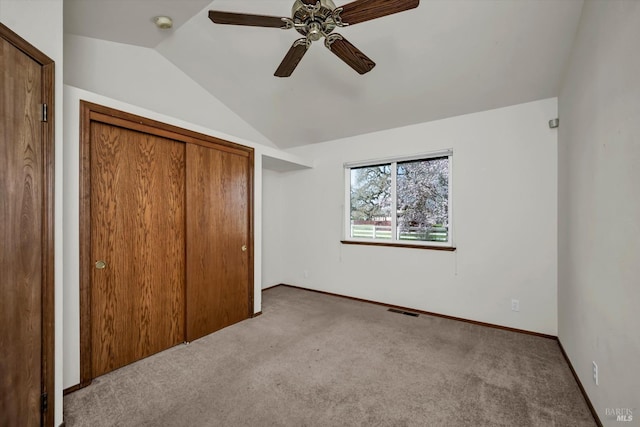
(26, 213)
(218, 239)
(137, 231)
(151, 195)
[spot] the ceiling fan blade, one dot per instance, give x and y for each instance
(366, 10)
(232, 18)
(349, 53)
(292, 58)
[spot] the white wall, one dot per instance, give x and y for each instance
(141, 76)
(504, 221)
(599, 208)
(40, 23)
(272, 228)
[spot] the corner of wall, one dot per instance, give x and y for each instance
(598, 207)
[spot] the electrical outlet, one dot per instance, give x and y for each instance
(515, 305)
(595, 373)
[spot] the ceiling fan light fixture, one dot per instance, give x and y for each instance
(314, 32)
(163, 22)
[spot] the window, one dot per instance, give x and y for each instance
(400, 201)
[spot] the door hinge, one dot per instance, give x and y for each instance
(44, 402)
(45, 112)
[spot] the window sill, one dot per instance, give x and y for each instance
(399, 245)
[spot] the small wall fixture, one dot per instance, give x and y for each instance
(554, 123)
(163, 22)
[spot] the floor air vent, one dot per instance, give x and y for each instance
(406, 313)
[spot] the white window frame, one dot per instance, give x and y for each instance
(393, 161)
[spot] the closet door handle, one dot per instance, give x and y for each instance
(244, 248)
(101, 265)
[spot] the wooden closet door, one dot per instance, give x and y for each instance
(218, 246)
(137, 230)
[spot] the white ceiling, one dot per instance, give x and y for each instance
(127, 21)
(445, 58)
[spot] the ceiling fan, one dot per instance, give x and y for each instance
(315, 19)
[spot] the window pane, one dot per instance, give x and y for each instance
(371, 202)
(423, 200)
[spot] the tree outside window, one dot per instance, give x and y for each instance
(401, 201)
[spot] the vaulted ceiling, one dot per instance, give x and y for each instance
(445, 58)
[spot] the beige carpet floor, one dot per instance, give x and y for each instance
(319, 360)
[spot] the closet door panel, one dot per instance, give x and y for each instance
(217, 188)
(137, 230)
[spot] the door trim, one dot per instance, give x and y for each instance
(90, 112)
(48, 286)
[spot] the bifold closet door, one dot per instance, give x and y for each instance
(137, 245)
(218, 249)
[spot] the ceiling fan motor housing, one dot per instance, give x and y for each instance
(314, 21)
